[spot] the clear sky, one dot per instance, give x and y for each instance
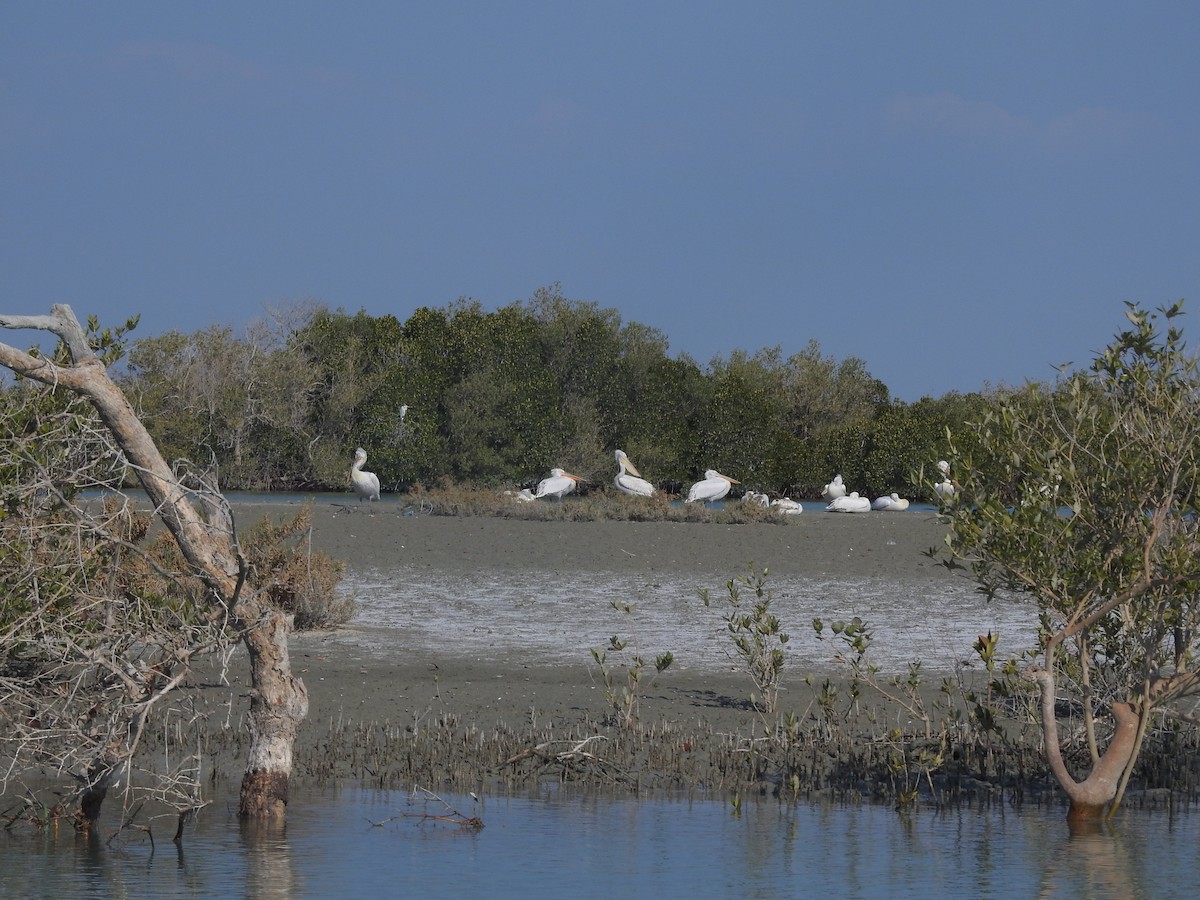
(957, 193)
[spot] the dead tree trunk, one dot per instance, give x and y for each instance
(279, 701)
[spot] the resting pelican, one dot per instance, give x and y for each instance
(786, 506)
(524, 495)
(712, 488)
(851, 504)
(834, 489)
(558, 485)
(366, 484)
(945, 487)
(629, 480)
(755, 497)
(891, 502)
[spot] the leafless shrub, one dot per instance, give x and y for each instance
(96, 627)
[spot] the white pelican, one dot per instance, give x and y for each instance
(629, 479)
(891, 502)
(558, 485)
(786, 506)
(755, 497)
(851, 504)
(366, 484)
(834, 489)
(524, 495)
(945, 487)
(712, 488)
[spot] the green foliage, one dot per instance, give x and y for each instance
(758, 638)
(855, 638)
(498, 398)
(745, 410)
(623, 697)
(1084, 498)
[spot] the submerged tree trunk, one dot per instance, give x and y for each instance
(100, 777)
(1090, 798)
(279, 701)
(278, 704)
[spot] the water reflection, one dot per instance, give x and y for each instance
(352, 842)
(1094, 858)
(270, 870)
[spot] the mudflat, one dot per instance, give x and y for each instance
(469, 664)
(814, 543)
(368, 688)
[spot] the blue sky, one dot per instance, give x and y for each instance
(957, 193)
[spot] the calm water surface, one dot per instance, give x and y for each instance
(561, 845)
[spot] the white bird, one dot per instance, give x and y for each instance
(558, 485)
(851, 504)
(366, 484)
(891, 502)
(712, 488)
(755, 497)
(945, 487)
(524, 495)
(629, 480)
(786, 506)
(834, 489)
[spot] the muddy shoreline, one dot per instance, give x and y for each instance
(391, 711)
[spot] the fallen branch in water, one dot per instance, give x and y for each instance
(453, 816)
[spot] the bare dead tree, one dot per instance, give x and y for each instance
(90, 644)
(279, 701)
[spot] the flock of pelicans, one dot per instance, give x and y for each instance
(713, 487)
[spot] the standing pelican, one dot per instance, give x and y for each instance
(558, 485)
(891, 502)
(366, 484)
(629, 480)
(851, 504)
(834, 489)
(712, 488)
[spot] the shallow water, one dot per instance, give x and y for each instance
(565, 845)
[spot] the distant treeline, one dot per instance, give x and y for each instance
(495, 399)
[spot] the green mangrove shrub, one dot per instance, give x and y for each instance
(755, 632)
(624, 693)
